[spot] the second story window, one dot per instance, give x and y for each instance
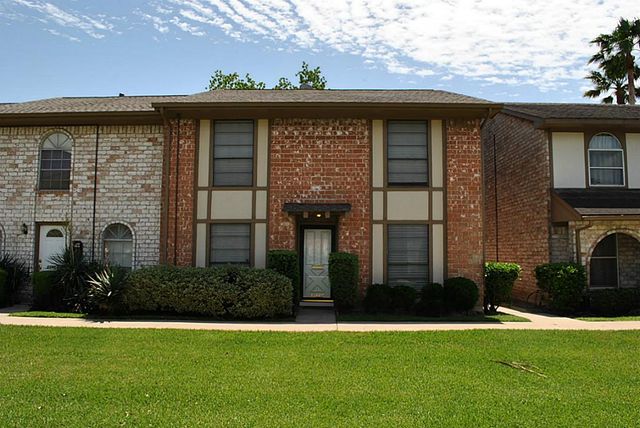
(233, 153)
(55, 162)
(606, 161)
(407, 159)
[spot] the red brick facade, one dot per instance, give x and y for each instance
(177, 247)
(322, 161)
(464, 200)
(522, 213)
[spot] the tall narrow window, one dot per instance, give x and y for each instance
(55, 162)
(606, 161)
(408, 254)
(233, 153)
(604, 263)
(230, 244)
(118, 245)
(407, 158)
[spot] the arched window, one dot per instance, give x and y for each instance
(118, 245)
(606, 161)
(615, 262)
(55, 162)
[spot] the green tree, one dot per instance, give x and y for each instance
(307, 78)
(612, 88)
(219, 80)
(615, 56)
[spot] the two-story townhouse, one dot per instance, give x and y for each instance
(562, 183)
(392, 176)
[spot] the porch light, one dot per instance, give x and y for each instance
(24, 229)
(318, 215)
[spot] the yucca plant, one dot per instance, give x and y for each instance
(106, 287)
(17, 273)
(71, 272)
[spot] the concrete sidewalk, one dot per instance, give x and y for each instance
(538, 322)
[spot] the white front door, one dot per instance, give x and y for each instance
(317, 246)
(53, 239)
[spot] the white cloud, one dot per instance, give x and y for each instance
(95, 27)
(498, 42)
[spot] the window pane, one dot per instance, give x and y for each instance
(605, 159)
(119, 253)
(407, 153)
(230, 243)
(408, 254)
(604, 141)
(604, 273)
(607, 177)
(55, 167)
(233, 153)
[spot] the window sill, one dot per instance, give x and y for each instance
(53, 192)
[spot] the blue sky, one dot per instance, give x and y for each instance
(516, 50)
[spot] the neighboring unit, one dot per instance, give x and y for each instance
(562, 183)
(394, 177)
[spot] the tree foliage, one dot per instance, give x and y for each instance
(617, 63)
(308, 78)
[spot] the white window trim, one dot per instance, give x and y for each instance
(134, 261)
(623, 168)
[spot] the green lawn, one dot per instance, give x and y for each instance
(628, 318)
(47, 314)
(363, 317)
(78, 377)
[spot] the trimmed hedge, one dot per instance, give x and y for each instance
(431, 301)
(377, 299)
(614, 302)
(344, 273)
(498, 284)
(286, 263)
(45, 293)
(5, 292)
(564, 283)
(460, 294)
(226, 292)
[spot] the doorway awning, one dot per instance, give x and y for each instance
(300, 208)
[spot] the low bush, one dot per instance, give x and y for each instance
(498, 284)
(377, 299)
(431, 301)
(613, 302)
(17, 275)
(45, 293)
(226, 292)
(564, 283)
(344, 272)
(403, 298)
(5, 293)
(286, 263)
(460, 294)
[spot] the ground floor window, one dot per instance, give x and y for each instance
(230, 243)
(408, 254)
(615, 262)
(118, 245)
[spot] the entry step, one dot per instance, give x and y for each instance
(317, 303)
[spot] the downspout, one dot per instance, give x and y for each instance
(95, 194)
(578, 246)
(175, 219)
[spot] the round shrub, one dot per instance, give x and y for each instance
(431, 301)
(45, 293)
(344, 274)
(614, 302)
(225, 292)
(564, 283)
(377, 299)
(460, 294)
(286, 263)
(498, 284)
(403, 298)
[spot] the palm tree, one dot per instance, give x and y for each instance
(616, 53)
(613, 87)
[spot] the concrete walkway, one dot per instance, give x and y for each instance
(313, 321)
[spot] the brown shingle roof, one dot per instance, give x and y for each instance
(309, 96)
(125, 104)
(602, 201)
(575, 111)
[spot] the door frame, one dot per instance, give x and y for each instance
(334, 247)
(36, 253)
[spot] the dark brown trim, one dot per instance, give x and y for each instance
(71, 118)
(445, 203)
(195, 199)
